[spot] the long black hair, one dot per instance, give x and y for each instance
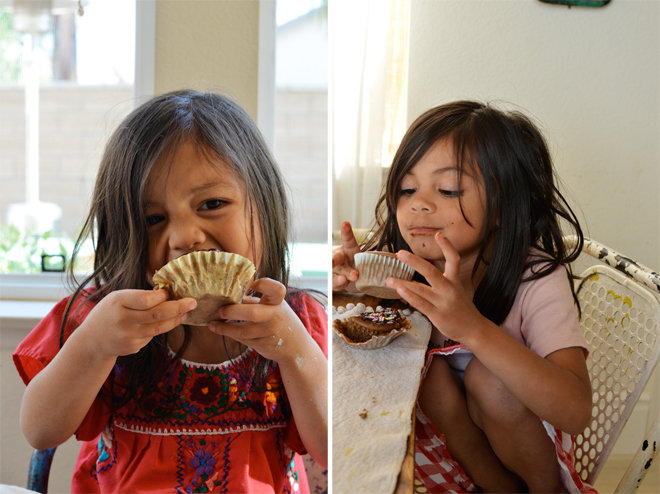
(524, 207)
(224, 132)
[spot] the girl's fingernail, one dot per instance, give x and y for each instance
(192, 305)
(185, 316)
(213, 327)
(389, 281)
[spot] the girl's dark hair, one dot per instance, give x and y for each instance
(524, 208)
(224, 132)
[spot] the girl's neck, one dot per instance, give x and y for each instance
(205, 346)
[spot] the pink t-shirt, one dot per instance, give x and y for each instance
(543, 318)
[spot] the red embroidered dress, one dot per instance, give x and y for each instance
(214, 431)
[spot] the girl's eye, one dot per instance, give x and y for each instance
(408, 192)
(154, 219)
(213, 204)
(449, 193)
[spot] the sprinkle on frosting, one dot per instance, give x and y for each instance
(384, 316)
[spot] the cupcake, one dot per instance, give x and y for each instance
(372, 328)
(212, 278)
(375, 268)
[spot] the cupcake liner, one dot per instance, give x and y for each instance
(212, 278)
(374, 342)
(375, 268)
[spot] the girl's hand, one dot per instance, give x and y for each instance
(343, 264)
(266, 324)
(126, 320)
(445, 302)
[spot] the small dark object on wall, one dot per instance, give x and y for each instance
(578, 3)
(47, 265)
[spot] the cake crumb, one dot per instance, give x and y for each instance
(364, 413)
(279, 343)
(299, 361)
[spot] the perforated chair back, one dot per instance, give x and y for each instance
(620, 315)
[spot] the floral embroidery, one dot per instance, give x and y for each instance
(107, 453)
(104, 445)
(205, 390)
(203, 461)
(190, 396)
(292, 478)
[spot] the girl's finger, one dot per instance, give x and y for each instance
(452, 258)
(422, 266)
(167, 310)
(140, 299)
(239, 331)
(348, 241)
(338, 257)
(350, 273)
(411, 294)
(272, 292)
(339, 282)
(165, 325)
(256, 313)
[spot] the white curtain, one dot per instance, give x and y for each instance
(368, 45)
(359, 33)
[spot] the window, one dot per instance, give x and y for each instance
(63, 89)
(79, 107)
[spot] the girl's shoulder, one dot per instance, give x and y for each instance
(312, 314)
(41, 345)
(304, 301)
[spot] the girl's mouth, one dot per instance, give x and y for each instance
(422, 230)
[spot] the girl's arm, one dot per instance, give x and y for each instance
(556, 388)
(58, 398)
(271, 327)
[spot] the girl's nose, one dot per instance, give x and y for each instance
(422, 204)
(185, 235)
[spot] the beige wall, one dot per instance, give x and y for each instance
(205, 45)
(591, 76)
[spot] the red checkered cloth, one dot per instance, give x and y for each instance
(437, 472)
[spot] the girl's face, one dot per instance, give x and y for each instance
(194, 205)
(429, 203)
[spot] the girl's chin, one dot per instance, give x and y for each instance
(427, 250)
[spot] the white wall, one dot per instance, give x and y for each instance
(591, 76)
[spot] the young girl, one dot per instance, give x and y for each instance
(471, 203)
(162, 406)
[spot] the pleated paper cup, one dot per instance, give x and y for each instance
(375, 268)
(376, 341)
(213, 278)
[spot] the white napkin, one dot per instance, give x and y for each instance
(373, 395)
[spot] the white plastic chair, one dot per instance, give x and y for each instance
(620, 316)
